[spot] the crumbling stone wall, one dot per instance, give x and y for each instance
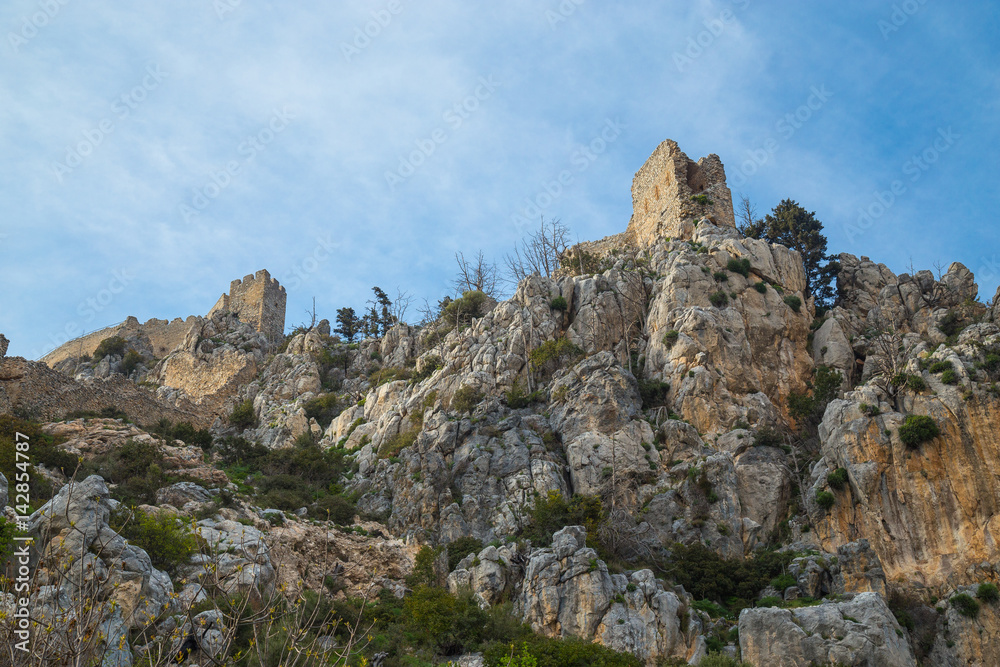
(258, 300)
(163, 335)
(666, 193)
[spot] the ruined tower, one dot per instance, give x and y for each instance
(258, 300)
(671, 191)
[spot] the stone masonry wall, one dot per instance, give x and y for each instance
(662, 191)
(164, 336)
(258, 300)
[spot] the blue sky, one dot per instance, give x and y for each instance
(152, 152)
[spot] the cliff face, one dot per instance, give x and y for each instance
(659, 386)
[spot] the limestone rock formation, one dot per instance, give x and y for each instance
(860, 631)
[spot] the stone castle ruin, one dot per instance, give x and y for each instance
(256, 299)
(670, 193)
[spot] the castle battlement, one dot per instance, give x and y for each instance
(256, 299)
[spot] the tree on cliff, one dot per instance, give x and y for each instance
(792, 226)
(348, 323)
(538, 253)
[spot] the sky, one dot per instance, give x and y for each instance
(150, 153)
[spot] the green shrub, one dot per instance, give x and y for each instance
(471, 305)
(559, 303)
(766, 436)
(870, 410)
(394, 444)
(793, 302)
(837, 479)
(466, 399)
(238, 451)
(761, 287)
(720, 276)
(770, 601)
(740, 266)
(44, 451)
(949, 377)
(428, 365)
(809, 409)
(988, 593)
(552, 513)
(555, 351)
(940, 366)
(324, 409)
(539, 651)
(671, 337)
(918, 429)
(915, 383)
(136, 469)
(190, 435)
(243, 415)
(735, 582)
(951, 324)
(113, 345)
(8, 531)
(718, 299)
(712, 609)
(965, 604)
(130, 361)
(701, 199)
(167, 539)
(518, 398)
(337, 508)
(462, 547)
(783, 581)
(653, 393)
(825, 499)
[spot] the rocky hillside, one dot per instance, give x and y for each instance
(670, 458)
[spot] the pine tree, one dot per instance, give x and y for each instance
(348, 323)
(792, 226)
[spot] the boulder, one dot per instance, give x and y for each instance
(861, 631)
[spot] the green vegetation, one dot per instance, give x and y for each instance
(965, 604)
(918, 429)
(130, 361)
(837, 479)
(740, 266)
(793, 227)
(718, 299)
(734, 583)
(793, 302)
(167, 539)
(988, 593)
(559, 303)
(114, 345)
(518, 398)
(394, 444)
(808, 409)
(721, 276)
(761, 287)
(704, 200)
(183, 431)
(324, 409)
(915, 383)
(671, 337)
(949, 377)
(471, 305)
(555, 352)
(653, 393)
(44, 451)
(552, 513)
(243, 415)
(825, 499)
(466, 399)
(462, 547)
(940, 366)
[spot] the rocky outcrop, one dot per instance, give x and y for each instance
(568, 591)
(966, 639)
(215, 360)
(30, 387)
(860, 631)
